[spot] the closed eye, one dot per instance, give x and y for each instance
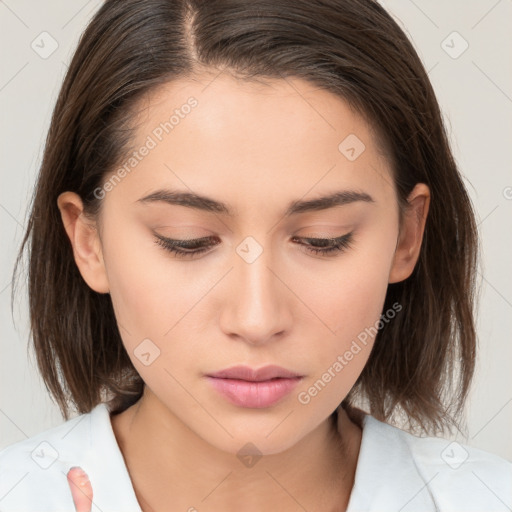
(193, 247)
(327, 245)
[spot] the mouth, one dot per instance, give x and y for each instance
(247, 387)
(249, 374)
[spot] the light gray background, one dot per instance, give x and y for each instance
(475, 93)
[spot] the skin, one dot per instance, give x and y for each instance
(255, 147)
(81, 489)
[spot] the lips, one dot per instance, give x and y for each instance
(245, 387)
(246, 373)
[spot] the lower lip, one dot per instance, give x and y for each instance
(254, 394)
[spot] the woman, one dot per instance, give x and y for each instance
(247, 222)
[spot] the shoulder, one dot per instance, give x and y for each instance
(463, 474)
(33, 472)
(455, 476)
(39, 448)
(38, 464)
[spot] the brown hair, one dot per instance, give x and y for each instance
(422, 362)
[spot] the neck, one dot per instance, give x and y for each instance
(169, 463)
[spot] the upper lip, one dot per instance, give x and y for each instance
(255, 375)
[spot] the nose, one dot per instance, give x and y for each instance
(257, 307)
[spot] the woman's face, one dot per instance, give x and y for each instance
(258, 295)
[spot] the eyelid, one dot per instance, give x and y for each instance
(182, 249)
(184, 241)
(198, 240)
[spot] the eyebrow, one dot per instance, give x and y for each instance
(198, 202)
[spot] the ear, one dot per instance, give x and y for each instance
(411, 234)
(85, 240)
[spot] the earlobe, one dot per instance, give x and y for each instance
(411, 234)
(85, 241)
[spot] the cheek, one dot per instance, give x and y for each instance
(349, 293)
(351, 307)
(349, 299)
(154, 298)
(148, 291)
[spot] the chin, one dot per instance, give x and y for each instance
(257, 436)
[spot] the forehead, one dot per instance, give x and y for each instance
(307, 112)
(248, 141)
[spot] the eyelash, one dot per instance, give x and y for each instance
(333, 245)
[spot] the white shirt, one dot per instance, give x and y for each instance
(396, 471)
